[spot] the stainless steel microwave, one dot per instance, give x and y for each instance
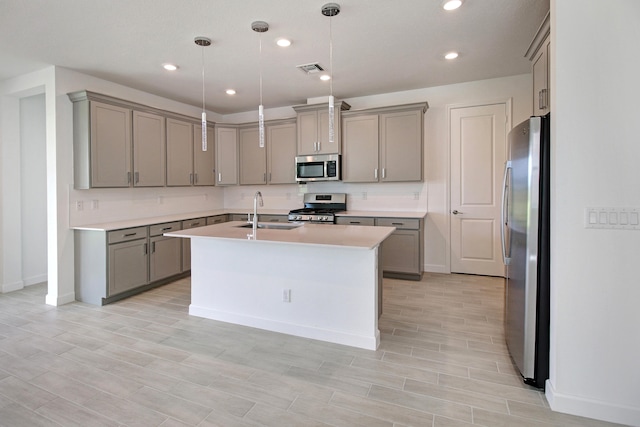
(321, 167)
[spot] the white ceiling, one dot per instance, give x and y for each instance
(379, 46)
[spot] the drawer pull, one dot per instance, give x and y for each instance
(354, 222)
(129, 234)
(167, 228)
(193, 224)
(397, 223)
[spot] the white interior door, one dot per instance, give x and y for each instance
(478, 153)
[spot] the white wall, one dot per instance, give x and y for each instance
(595, 285)
(33, 189)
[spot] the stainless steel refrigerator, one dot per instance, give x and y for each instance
(525, 246)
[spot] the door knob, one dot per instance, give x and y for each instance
(456, 212)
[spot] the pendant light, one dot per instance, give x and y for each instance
(260, 27)
(330, 10)
(203, 42)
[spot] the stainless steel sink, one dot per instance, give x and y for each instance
(272, 226)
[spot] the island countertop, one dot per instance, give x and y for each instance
(364, 237)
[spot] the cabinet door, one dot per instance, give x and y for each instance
(203, 161)
(541, 81)
(281, 153)
(400, 252)
(179, 153)
(401, 146)
(253, 158)
(227, 156)
(149, 147)
(127, 266)
(165, 257)
(307, 132)
(360, 149)
(110, 145)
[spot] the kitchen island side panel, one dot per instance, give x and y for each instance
(333, 290)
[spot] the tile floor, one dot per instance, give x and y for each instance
(144, 361)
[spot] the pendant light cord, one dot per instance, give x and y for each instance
(260, 66)
(330, 57)
(202, 50)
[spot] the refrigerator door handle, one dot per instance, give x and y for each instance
(507, 168)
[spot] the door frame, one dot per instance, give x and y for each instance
(508, 102)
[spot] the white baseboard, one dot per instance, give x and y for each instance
(34, 280)
(10, 287)
(599, 410)
(60, 299)
(435, 268)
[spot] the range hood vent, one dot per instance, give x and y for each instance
(312, 68)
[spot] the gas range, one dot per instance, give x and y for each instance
(320, 208)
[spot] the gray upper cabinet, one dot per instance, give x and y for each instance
(401, 145)
(101, 143)
(313, 128)
(118, 143)
(149, 159)
(538, 53)
(384, 145)
(360, 148)
(226, 156)
(204, 169)
(253, 158)
(179, 153)
(281, 153)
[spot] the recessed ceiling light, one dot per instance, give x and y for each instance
(230, 92)
(169, 67)
(451, 4)
(451, 55)
(325, 77)
(283, 42)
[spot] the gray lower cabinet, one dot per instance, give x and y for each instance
(217, 219)
(165, 254)
(128, 265)
(111, 265)
(401, 252)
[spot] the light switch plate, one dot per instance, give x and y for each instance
(612, 218)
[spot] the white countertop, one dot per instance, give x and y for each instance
(139, 222)
(363, 237)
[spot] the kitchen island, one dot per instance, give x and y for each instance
(312, 280)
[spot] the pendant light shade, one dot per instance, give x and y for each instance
(203, 42)
(330, 10)
(260, 27)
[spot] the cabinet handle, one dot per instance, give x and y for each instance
(269, 176)
(196, 178)
(128, 177)
(545, 98)
(397, 223)
(167, 228)
(384, 173)
(145, 249)
(219, 177)
(153, 247)
(190, 178)
(354, 222)
(194, 224)
(318, 145)
(264, 177)
(129, 234)
(136, 177)
(375, 173)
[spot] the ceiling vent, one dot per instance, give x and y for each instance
(312, 68)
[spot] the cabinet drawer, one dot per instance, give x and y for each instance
(218, 219)
(127, 234)
(238, 217)
(355, 220)
(193, 223)
(399, 223)
(158, 229)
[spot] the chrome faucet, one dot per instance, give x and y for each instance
(257, 196)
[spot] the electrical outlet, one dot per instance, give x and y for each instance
(94, 204)
(286, 295)
(79, 205)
